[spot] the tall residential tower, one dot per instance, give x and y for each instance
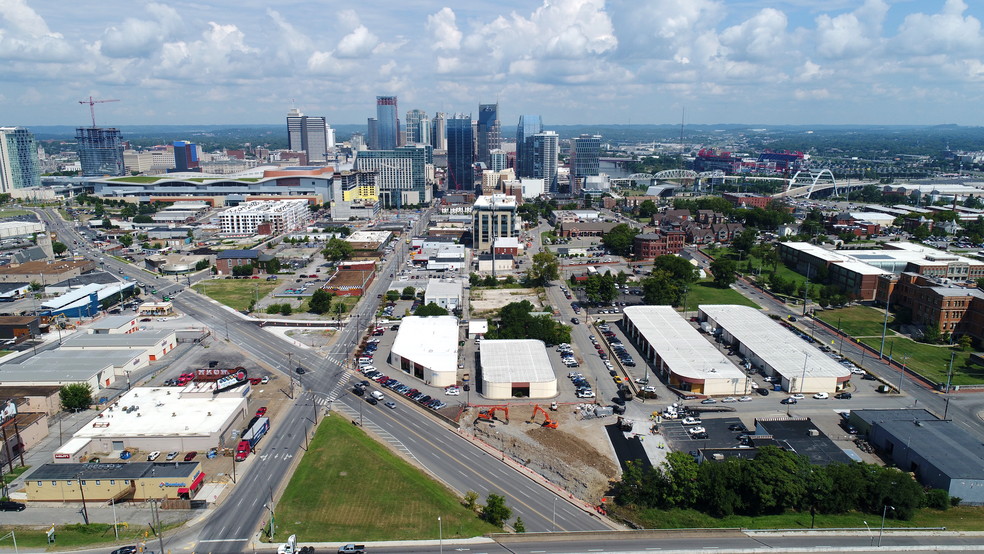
(307, 134)
(461, 175)
(19, 167)
(100, 151)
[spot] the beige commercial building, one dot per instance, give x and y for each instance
(516, 368)
(119, 482)
(427, 348)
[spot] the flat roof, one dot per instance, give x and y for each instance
(42, 266)
(799, 435)
(863, 268)
(814, 250)
(41, 371)
(131, 470)
(682, 348)
(117, 358)
(162, 412)
(775, 345)
(955, 452)
(72, 296)
(516, 361)
(440, 287)
(114, 322)
(140, 339)
(429, 341)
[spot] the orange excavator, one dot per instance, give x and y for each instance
(548, 423)
(488, 414)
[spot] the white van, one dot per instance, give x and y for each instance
(365, 361)
(376, 394)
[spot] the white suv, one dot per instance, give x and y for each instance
(452, 391)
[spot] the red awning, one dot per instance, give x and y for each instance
(182, 491)
(198, 481)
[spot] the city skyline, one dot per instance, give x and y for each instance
(572, 61)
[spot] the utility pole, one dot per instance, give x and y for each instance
(888, 299)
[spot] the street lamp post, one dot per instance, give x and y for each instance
(440, 533)
(802, 386)
(869, 533)
(272, 524)
(905, 359)
(884, 513)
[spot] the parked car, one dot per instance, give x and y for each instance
(10, 506)
(261, 411)
(843, 396)
(821, 396)
(154, 455)
(190, 456)
(171, 455)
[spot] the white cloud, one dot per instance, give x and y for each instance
(357, 44)
(947, 32)
(850, 34)
(26, 36)
(139, 38)
(758, 38)
(444, 30)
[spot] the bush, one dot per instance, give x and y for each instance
(937, 499)
(955, 501)
(273, 309)
(285, 309)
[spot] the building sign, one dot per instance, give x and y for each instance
(166, 484)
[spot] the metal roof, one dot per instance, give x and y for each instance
(953, 451)
(516, 361)
(131, 470)
(140, 339)
(775, 345)
(113, 322)
(683, 349)
(429, 341)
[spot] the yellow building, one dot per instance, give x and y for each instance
(119, 482)
(358, 185)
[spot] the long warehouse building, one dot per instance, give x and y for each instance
(684, 358)
(801, 367)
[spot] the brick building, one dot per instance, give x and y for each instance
(647, 246)
(952, 309)
(228, 259)
(747, 199)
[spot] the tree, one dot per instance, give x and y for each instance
(471, 500)
(679, 269)
(430, 309)
(126, 240)
(408, 292)
(745, 240)
(520, 527)
(724, 272)
(392, 295)
(202, 264)
(76, 397)
(965, 342)
(273, 309)
(273, 266)
(495, 510)
(286, 309)
(545, 268)
(648, 209)
(143, 219)
(58, 248)
(242, 270)
(337, 249)
(320, 302)
(661, 289)
(619, 239)
(35, 286)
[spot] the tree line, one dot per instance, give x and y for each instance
(773, 482)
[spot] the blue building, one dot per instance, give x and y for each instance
(185, 156)
(461, 174)
(19, 166)
(387, 123)
(100, 151)
(584, 161)
(400, 174)
(489, 132)
(529, 125)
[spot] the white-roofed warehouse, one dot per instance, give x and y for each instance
(516, 367)
(684, 358)
(427, 348)
(766, 344)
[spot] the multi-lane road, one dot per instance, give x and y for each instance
(453, 459)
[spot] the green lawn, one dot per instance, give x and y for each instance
(348, 301)
(704, 292)
(236, 293)
(929, 361)
(78, 535)
(963, 518)
(9, 477)
(13, 213)
(856, 321)
(349, 487)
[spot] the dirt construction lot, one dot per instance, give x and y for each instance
(576, 455)
(484, 301)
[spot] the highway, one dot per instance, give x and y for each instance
(433, 445)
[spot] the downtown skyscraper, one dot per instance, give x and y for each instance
(418, 127)
(489, 132)
(307, 134)
(19, 167)
(529, 125)
(387, 123)
(584, 160)
(439, 131)
(461, 175)
(544, 148)
(100, 151)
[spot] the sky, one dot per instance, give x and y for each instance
(768, 62)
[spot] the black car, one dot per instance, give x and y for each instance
(372, 400)
(126, 550)
(762, 391)
(300, 371)
(869, 377)
(843, 395)
(8, 506)
(358, 391)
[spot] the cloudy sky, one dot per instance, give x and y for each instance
(572, 61)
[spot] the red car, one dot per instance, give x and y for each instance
(190, 456)
(261, 412)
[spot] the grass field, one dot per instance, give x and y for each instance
(856, 321)
(236, 293)
(963, 518)
(78, 535)
(13, 213)
(348, 301)
(9, 477)
(349, 487)
(929, 361)
(704, 292)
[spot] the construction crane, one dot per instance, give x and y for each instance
(92, 109)
(548, 423)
